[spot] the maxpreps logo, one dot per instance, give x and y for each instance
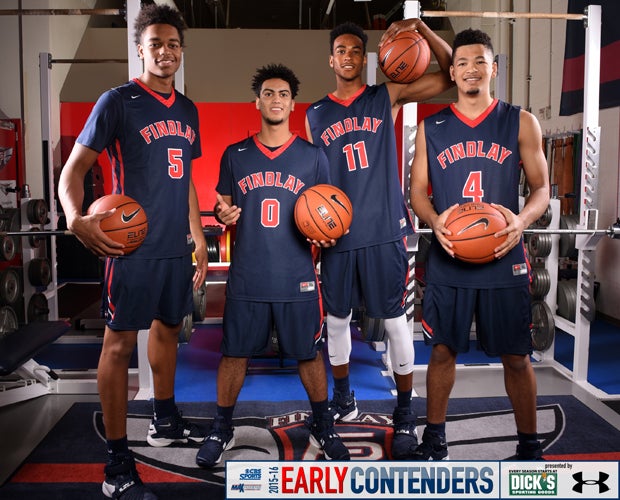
(538, 483)
(248, 475)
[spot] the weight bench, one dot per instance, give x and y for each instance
(17, 350)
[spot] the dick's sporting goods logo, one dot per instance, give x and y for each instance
(539, 483)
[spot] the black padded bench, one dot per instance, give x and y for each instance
(19, 346)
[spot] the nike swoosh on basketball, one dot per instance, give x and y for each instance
(335, 199)
(482, 220)
(385, 57)
(127, 218)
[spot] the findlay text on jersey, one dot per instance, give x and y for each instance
(165, 128)
(473, 149)
(342, 127)
(270, 179)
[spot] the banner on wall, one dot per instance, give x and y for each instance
(574, 57)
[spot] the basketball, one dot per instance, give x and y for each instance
(128, 225)
(473, 226)
(323, 212)
(405, 58)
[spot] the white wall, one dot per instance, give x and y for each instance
(58, 35)
(219, 64)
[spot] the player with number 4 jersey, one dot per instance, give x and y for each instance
(477, 150)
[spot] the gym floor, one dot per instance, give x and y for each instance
(25, 424)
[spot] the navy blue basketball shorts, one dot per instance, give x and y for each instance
(248, 328)
(137, 291)
(503, 318)
(374, 277)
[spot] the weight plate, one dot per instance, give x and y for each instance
(38, 308)
(200, 303)
(545, 219)
(187, 329)
(543, 326)
(10, 286)
(7, 248)
(39, 272)
(34, 240)
(213, 248)
(567, 241)
(8, 320)
(567, 299)
(373, 329)
(36, 211)
(539, 245)
(541, 282)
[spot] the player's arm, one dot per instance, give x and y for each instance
(71, 196)
(537, 177)
(430, 84)
(195, 227)
(418, 192)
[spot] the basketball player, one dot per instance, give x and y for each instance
(507, 143)
(370, 263)
(271, 281)
(150, 132)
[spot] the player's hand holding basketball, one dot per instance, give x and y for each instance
(440, 229)
(86, 229)
(513, 231)
(325, 243)
(398, 27)
(225, 212)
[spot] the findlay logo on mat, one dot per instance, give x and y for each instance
(479, 435)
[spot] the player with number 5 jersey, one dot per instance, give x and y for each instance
(151, 139)
(151, 134)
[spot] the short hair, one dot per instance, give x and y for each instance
(274, 71)
(158, 14)
(471, 37)
(347, 28)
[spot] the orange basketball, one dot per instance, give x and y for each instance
(323, 212)
(473, 226)
(128, 225)
(405, 58)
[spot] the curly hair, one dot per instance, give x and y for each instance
(471, 37)
(158, 14)
(274, 71)
(347, 28)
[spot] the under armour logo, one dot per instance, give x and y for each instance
(602, 477)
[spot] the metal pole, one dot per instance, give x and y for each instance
(590, 152)
(61, 12)
(507, 15)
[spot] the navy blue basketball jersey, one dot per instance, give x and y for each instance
(475, 160)
(272, 261)
(151, 141)
(358, 137)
